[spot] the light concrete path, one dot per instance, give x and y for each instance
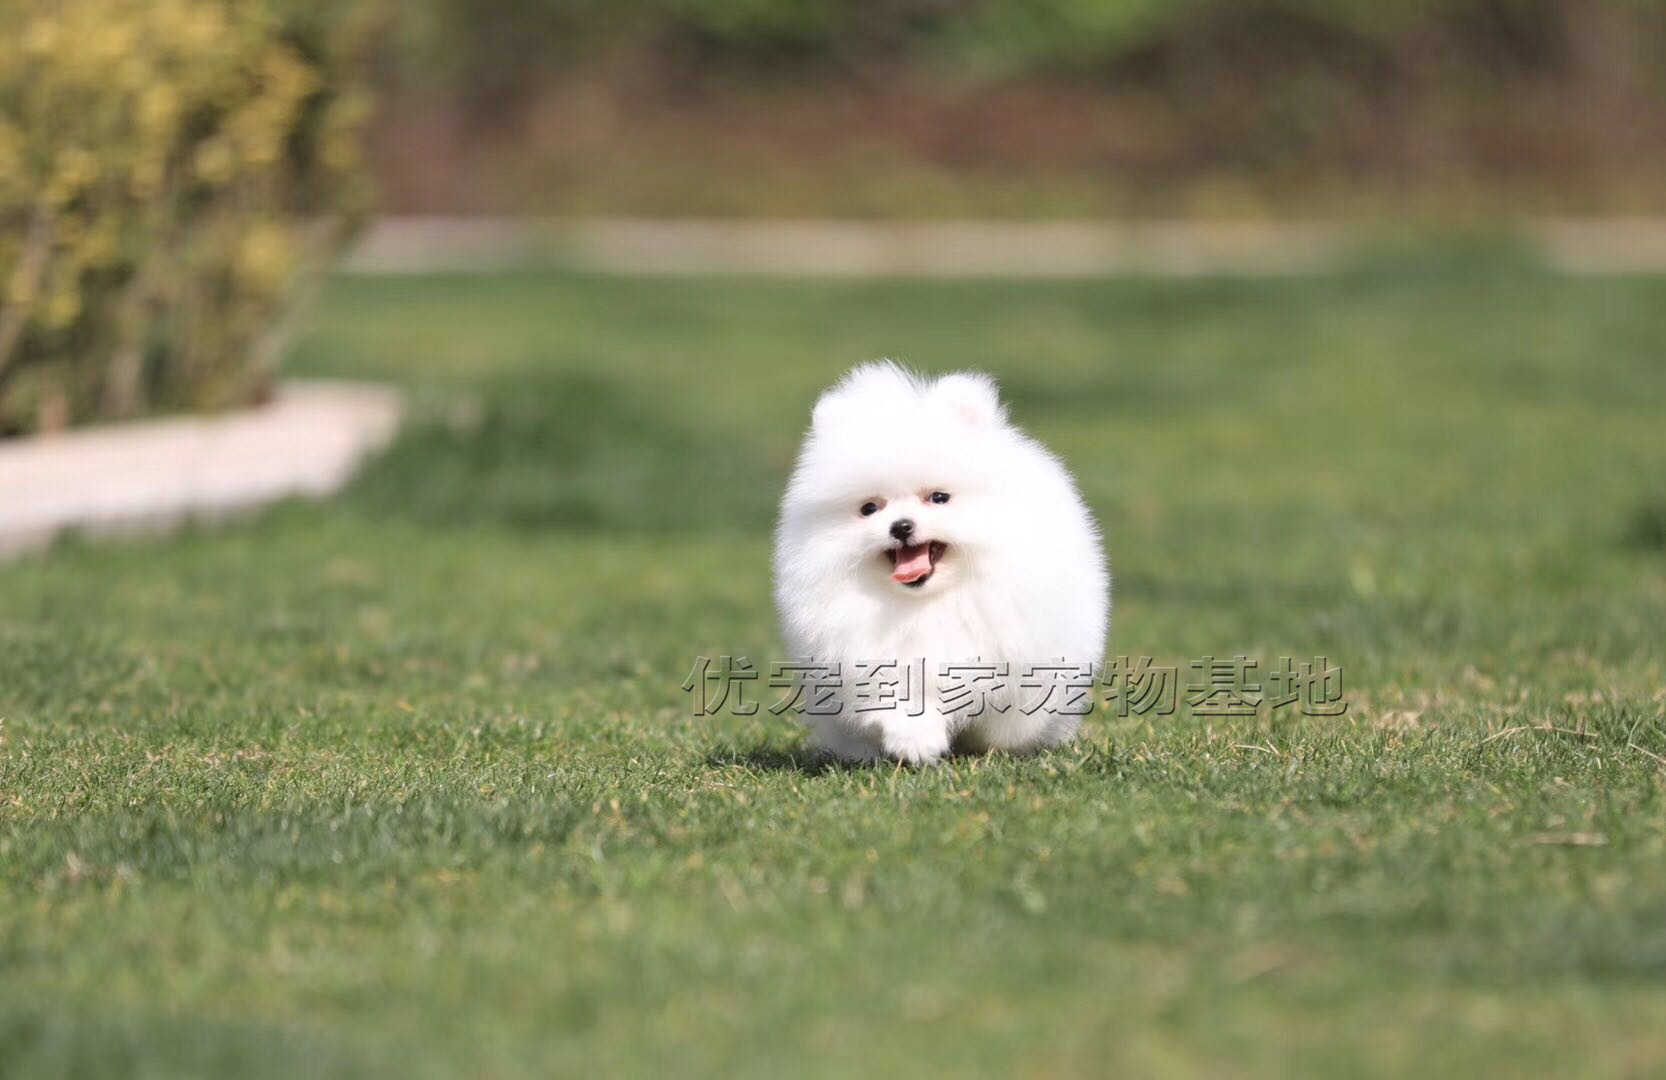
(947, 249)
(1602, 246)
(148, 476)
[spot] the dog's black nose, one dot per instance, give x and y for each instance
(902, 529)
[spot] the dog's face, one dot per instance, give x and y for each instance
(911, 544)
(904, 487)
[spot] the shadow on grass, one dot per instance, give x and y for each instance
(770, 759)
(568, 451)
(1647, 527)
(37, 1041)
(810, 762)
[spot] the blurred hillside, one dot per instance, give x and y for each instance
(1025, 108)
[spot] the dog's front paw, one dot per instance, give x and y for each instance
(916, 746)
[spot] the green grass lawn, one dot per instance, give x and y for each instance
(405, 782)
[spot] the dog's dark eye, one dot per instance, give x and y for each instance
(869, 509)
(939, 497)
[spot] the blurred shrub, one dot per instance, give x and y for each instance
(171, 172)
(1021, 107)
(493, 48)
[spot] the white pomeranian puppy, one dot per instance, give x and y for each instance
(923, 532)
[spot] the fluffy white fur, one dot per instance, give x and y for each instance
(1022, 578)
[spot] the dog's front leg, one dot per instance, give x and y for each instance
(917, 740)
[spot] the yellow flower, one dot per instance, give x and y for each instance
(62, 307)
(158, 109)
(40, 36)
(265, 258)
(214, 163)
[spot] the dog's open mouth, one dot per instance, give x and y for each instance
(913, 564)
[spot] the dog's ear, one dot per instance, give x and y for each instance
(833, 405)
(864, 388)
(826, 412)
(971, 396)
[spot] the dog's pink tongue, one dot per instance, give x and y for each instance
(913, 563)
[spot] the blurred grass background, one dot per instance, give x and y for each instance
(1412, 424)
